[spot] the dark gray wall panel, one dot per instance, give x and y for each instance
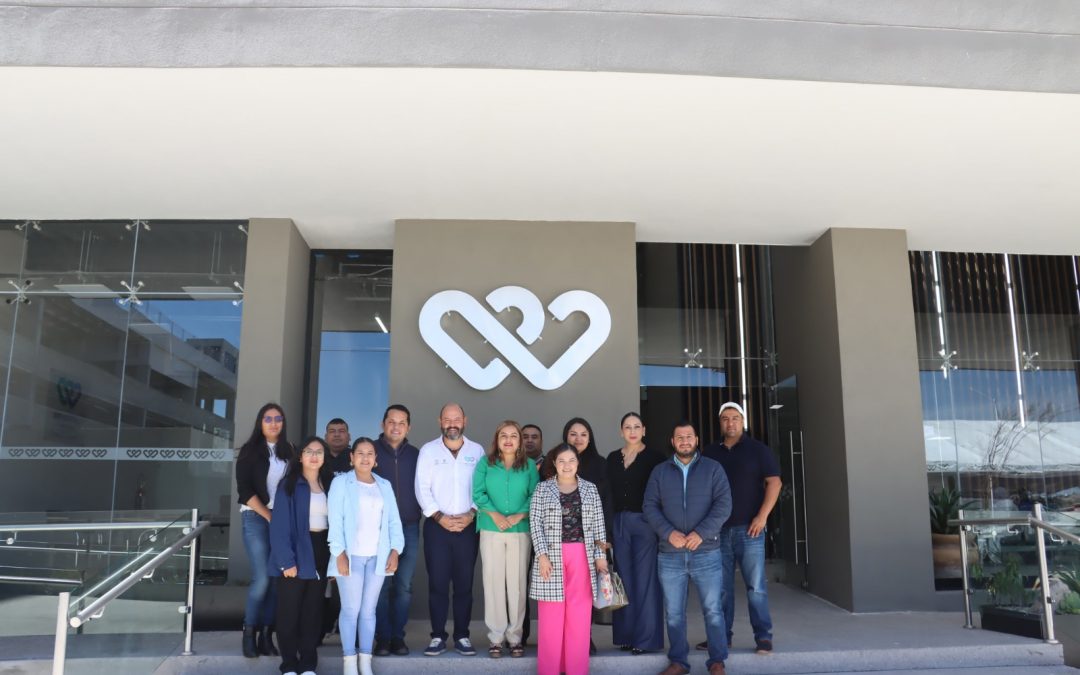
(845, 327)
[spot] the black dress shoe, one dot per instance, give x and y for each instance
(624, 648)
(248, 643)
(382, 648)
(702, 646)
(399, 648)
(638, 652)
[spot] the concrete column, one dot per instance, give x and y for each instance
(272, 343)
(846, 329)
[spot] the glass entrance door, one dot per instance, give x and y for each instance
(788, 521)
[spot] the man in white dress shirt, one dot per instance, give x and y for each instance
(444, 475)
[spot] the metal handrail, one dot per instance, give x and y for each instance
(82, 527)
(1036, 522)
(96, 608)
(89, 612)
(39, 580)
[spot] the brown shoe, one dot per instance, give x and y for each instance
(674, 669)
(717, 669)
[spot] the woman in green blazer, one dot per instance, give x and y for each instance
(502, 489)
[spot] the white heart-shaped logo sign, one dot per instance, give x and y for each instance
(490, 376)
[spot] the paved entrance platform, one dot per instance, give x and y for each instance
(811, 636)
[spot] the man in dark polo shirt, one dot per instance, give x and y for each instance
(532, 439)
(395, 460)
(754, 476)
(337, 439)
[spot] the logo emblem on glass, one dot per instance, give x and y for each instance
(509, 347)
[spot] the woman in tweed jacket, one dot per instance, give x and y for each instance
(567, 523)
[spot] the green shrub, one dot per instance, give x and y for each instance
(1070, 604)
(1071, 579)
(945, 505)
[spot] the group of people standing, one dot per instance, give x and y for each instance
(539, 522)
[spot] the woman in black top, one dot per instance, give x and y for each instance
(261, 465)
(578, 434)
(638, 627)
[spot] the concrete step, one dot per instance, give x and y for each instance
(1035, 656)
(218, 653)
(811, 636)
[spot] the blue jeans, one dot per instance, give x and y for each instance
(706, 570)
(749, 552)
(262, 595)
(393, 610)
(359, 596)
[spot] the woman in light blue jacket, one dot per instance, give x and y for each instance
(365, 542)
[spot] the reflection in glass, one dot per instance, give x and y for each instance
(705, 333)
(201, 259)
(84, 259)
(66, 367)
(999, 357)
(12, 239)
(179, 405)
(348, 358)
(349, 373)
(126, 398)
(7, 324)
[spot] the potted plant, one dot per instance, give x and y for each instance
(945, 505)
(1008, 611)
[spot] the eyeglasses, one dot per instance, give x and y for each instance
(313, 453)
(273, 419)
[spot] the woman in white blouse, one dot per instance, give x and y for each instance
(365, 541)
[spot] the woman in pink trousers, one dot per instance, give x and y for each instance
(567, 526)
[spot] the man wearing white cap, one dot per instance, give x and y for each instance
(754, 476)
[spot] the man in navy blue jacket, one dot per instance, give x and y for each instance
(686, 503)
(395, 460)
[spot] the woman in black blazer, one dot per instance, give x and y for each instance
(261, 465)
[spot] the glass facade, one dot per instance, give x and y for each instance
(119, 346)
(705, 332)
(349, 372)
(707, 336)
(999, 366)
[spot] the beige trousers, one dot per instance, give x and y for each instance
(505, 557)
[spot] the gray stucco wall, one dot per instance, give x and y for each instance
(845, 327)
(807, 343)
(272, 342)
(1021, 45)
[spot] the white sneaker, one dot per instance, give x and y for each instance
(291, 672)
(308, 672)
(365, 664)
(350, 665)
